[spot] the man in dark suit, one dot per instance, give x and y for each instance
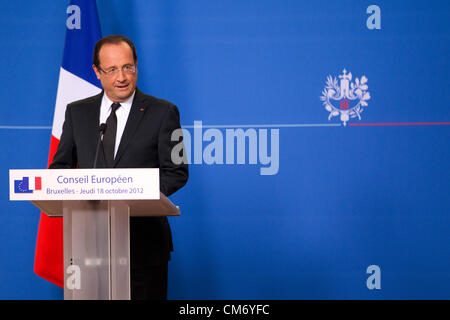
(138, 135)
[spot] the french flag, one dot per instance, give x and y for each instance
(77, 81)
(35, 183)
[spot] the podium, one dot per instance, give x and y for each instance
(96, 206)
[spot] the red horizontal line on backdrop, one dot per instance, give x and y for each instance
(401, 124)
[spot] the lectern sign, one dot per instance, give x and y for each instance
(96, 233)
(84, 184)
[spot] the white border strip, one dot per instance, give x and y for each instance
(26, 127)
(299, 125)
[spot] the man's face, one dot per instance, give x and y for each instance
(121, 85)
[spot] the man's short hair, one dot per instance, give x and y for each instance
(114, 39)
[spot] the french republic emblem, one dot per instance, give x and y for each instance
(346, 99)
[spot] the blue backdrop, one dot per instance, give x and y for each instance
(344, 197)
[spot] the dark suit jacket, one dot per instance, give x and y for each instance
(145, 143)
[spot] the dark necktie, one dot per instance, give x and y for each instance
(109, 138)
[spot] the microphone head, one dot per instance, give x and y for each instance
(102, 127)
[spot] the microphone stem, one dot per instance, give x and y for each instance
(102, 130)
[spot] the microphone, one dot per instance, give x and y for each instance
(102, 130)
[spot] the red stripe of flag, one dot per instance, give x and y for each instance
(37, 183)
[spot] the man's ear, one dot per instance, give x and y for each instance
(97, 72)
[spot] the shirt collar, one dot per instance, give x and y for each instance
(126, 104)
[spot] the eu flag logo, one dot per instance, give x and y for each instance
(21, 186)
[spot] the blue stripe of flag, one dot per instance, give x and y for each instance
(82, 32)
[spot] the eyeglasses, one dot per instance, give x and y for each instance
(128, 69)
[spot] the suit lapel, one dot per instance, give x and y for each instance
(93, 122)
(134, 118)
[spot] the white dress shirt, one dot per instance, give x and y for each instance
(121, 113)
